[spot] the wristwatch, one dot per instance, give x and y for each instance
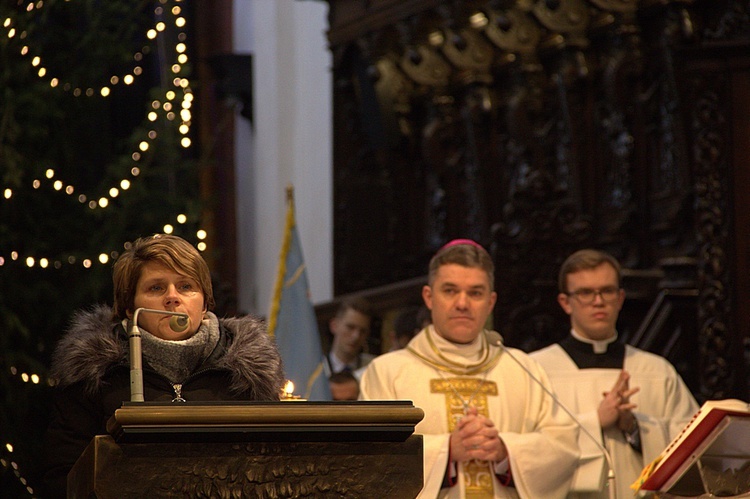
(633, 436)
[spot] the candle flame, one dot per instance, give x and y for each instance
(289, 388)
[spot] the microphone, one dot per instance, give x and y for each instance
(178, 323)
(611, 469)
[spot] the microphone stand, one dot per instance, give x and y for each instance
(607, 457)
(136, 355)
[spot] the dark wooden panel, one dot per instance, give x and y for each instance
(540, 128)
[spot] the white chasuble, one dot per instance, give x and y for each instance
(664, 407)
(539, 437)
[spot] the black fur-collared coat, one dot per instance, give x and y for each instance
(91, 368)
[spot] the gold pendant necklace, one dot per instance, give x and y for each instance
(464, 403)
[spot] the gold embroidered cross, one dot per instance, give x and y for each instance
(461, 393)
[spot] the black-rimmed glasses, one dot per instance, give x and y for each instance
(586, 296)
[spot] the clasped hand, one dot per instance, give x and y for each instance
(476, 437)
(616, 408)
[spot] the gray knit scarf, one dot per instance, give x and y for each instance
(176, 360)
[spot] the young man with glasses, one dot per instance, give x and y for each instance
(634, 400)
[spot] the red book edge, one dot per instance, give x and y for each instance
(683, 446)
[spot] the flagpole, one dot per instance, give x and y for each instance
(290, 194)
(279, 285)
(292, 321)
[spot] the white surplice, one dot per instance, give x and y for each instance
(540, 438)
(665, 405)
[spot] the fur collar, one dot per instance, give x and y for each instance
(95, 343)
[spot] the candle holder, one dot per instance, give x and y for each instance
(287, 393)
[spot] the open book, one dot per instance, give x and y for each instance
(718, 434)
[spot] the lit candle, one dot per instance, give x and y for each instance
(289, 389)
(287, 394)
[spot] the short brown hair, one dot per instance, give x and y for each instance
(171, 251)
(464, 254)
(356, 303)
(585, 259)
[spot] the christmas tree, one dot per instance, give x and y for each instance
(95, 151)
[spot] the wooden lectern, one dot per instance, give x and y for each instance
(258, 450)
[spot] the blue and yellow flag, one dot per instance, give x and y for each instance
(292, 321)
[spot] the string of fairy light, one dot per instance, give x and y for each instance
(8, 449)
(174, 107)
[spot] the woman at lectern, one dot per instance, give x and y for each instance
(188, 354)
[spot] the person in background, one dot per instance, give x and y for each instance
(211, 359)
(633, 402)
(344, 386)
(489, 429)
(404, 328)
(407, 324)
(350, 328)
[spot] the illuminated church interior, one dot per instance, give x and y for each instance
(386, 128)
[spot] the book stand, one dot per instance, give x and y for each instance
(711, 458)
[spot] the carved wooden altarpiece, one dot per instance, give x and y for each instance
(538, 127)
